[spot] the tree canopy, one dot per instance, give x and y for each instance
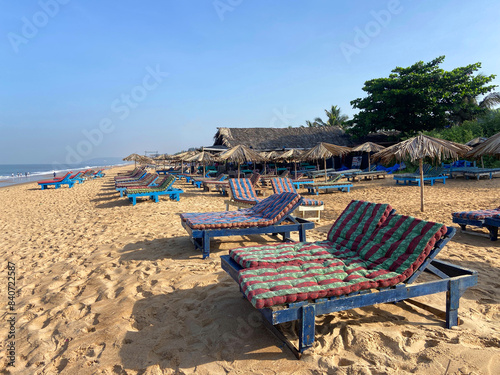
(419, 98)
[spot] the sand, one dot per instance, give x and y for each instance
(104, 287)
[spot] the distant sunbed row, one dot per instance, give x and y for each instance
(141, 184)
(70, 179)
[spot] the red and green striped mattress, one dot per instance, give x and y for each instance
(366, 248)
(476, 215)
(267, 212)
(161, 187)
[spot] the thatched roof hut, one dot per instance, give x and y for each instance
(279, 138)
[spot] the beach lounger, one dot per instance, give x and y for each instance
(198, 181)
(58, 182)
(99, 174)
(242, 194)
(371, 256)
(138, 174)
(365, 175)
(149, 180)
(155, 192)
(77, 177)
(488, 219)
(270, 216)
(129, 173)
(281, 185)
(477, 173)
(332, 183)
(432, 176)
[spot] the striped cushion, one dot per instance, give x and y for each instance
(281, 185)
(351, 229)
(242, 190)
(476, 215)
(392, 253)
(357, 220)
(166, 184)
(144, 181)
(267, 212)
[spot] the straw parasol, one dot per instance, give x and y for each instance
(202, 157)
(241, 154)
(476, 142)
(368, 147)
(132, 157)
(142, 159)
(269, 156)
(420, 147)
(489, 147)
(163, 157)
(294, 155)
(325, 151)
(183, 156)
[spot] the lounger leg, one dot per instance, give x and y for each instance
(206, 245)
(302, 234)
(493, 232)
(307, 324)
(452, 301)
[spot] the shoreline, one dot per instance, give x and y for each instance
(14, 181)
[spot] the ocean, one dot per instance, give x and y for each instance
(11, 174)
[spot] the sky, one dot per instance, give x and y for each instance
(89, 79)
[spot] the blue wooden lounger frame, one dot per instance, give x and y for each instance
(408, 180)
(314, 189)
(174, 194)
(122, 190)
(454, 280)
(201, 237)
(57, 183)
(489, 223)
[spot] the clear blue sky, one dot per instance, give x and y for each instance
(84, 79)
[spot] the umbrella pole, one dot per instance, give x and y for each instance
(204, 167)
(238, 170)
(482, 162)
(369, 165)
(420, 164)
(324, 160)
(295, 170)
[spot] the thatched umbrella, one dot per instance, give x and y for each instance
(163, 157)
(270, 156)
(142, 159)
(202, 157)
(183, 156)
(476, 142)
(489, 147)
(294, 155)
(325, 151)
(241, 154)
(368, 147)
(420, 147)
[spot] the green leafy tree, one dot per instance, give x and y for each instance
(421, 97)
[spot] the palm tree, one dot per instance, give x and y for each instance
(490, 100)
(334, 118)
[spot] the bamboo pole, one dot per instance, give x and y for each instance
(324, 160)
(420, 164)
